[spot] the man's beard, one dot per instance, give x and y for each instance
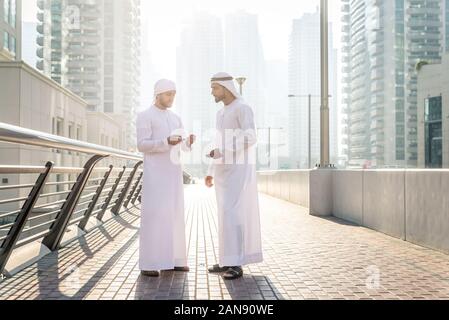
(167, 105)
(218, 100)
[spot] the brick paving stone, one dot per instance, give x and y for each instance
(305, 257)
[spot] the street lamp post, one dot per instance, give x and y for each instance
(324, 112)
(269, 141)
(309, 96)
(241, 81)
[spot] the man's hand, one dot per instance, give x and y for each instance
(192, 139)
(174, 140)
(209, 181)
(215, 154)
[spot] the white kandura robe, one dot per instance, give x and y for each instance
(162, 230)
(235, 183)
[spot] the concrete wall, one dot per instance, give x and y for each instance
(290, 185)
(407, 204)
(427, 208)
(348, 205)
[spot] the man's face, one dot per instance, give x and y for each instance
(166, 99)
(218, 92)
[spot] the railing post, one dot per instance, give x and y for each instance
(133, 201)
(130, 195)
(119, 202)
(14, 233)
(93, 203)
(111, 194)
(58, 228)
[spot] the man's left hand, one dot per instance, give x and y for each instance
(192, 139)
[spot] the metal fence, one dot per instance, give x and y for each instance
(44, 209)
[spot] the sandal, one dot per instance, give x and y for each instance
(217, 269)
(233, 273)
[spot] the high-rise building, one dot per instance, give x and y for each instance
(122, 54)
(10, 29)
(383, 42)
(276, 115)
(149, 74)
(244, 58)
(29, 46)
(199, 57)
(304, 79)
(433, 105)
(93, 49)
(70, 46)
(446, 21)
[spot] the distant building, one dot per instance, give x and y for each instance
(244, 57)
(10, 30)
(199, 56)
(381, 45)
(304, 79)
(433, 109)
(29, 45)
(93, 49)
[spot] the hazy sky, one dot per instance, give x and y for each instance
(166, 19)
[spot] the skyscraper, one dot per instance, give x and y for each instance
(149, 73)
(122, 54)
(304, 79)
(244, 57)
(199, 56)
(276, 113)
(10, 29)
(93, 49)
(29, 46)
(382, 43)
(446, 19)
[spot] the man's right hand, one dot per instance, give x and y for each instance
(209, 181)
(174, 140)
(215, 154)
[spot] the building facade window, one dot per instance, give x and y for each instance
(5, 40)
(6, 10)
(433, 132)
(12, 45)
(12, 13)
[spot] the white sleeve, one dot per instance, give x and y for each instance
(185, 145)
(211, 169)
(246, 137)
(145, 142)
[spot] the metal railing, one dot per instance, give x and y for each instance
(43, 209)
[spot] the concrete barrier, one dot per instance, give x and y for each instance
(320, 194)
(427, 208)
(291, 185)
(348, 205)
(407, 204)
(384, 201)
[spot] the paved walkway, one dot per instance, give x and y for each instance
(305, 258)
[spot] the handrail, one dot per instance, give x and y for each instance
(7, 169)
(14, 134)
(80, 203)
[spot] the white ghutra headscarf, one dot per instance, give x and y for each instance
(227, 81)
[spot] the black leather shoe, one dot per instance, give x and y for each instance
(233, 273)
(217, 269)
(182, 269)
(150, 273)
